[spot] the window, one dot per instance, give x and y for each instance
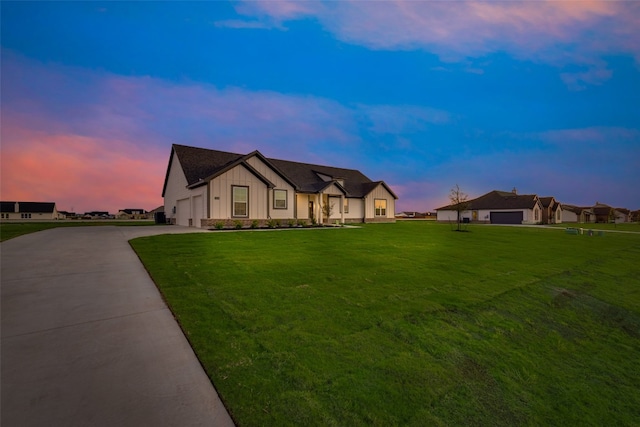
(536, 213)
(346, 206)
(25, 215)
(240, 201)
(280, 199)
(380, 207)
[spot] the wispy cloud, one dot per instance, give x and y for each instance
(94, 131)
(553, 32)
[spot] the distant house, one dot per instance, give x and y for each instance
(205, 187)
(622, 215)
(551, 210)
(411, 214)
(497, 207)
(131, 214)
(572, 213)
(97, 215)
(29, 211)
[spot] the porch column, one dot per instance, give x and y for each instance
(319, 204)
(342, 208)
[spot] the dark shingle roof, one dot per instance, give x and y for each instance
(500, 200)
(27, 207)
(546, 201)
(200, 164)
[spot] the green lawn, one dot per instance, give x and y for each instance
(11, 229)
(410, 323)
(626, 226)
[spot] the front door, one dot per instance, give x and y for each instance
(310, 210)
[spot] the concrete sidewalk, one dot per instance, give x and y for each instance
(87, 339)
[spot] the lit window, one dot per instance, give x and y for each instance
(240, 201)
(346, 205)
(280, 199)
(380, 207)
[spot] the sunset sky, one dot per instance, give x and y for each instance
(541, 96)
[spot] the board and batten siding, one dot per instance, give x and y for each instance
(380, 192)
(178, 196)
(221, 196)
(280, 184)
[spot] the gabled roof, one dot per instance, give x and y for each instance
(27, 207)
(601, 209)
(499, 200)
(575, 209)
(201, 165)
(547, 201)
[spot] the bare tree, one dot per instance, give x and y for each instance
(459, 202)
(327, 211)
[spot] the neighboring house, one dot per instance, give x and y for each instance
(634, 216)
(67, 215)
(551, 210)
(204, 187)
(406, 214)
(97, 215)
(602, 212)
(28, 210)
(157, 214)
(571, 213)
(622, 215)
(497, 207)
(131, 214)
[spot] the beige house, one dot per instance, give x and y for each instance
(29, 211)
(571, 213)
(131, 214)
(206, 187)
(498, 207)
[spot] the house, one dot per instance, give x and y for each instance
(622, 215)
(204, 187)
(131, 214)
(97, 215)
(571, 213)
(634, 216)
(497, 207)
(28, 210)
(551, 210)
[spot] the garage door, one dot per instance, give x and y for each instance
(506, 217)
(183, 212)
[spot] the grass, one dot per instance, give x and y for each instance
(410, 323)
(626, 226)
(11, 229)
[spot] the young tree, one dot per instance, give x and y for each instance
(459, 201)
(327, 211)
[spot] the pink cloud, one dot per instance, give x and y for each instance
(95, 141)
(77, 172)
(554, 32)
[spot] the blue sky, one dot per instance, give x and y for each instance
(541, 96)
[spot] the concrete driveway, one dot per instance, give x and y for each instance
(87, 339)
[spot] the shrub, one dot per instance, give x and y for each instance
(272, 223)
(302, 223)
(238, 224)
(255, 223)
(292, 223)
(219, 225)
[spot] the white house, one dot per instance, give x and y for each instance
(29, 211)
(206, 187)
(497, 207)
